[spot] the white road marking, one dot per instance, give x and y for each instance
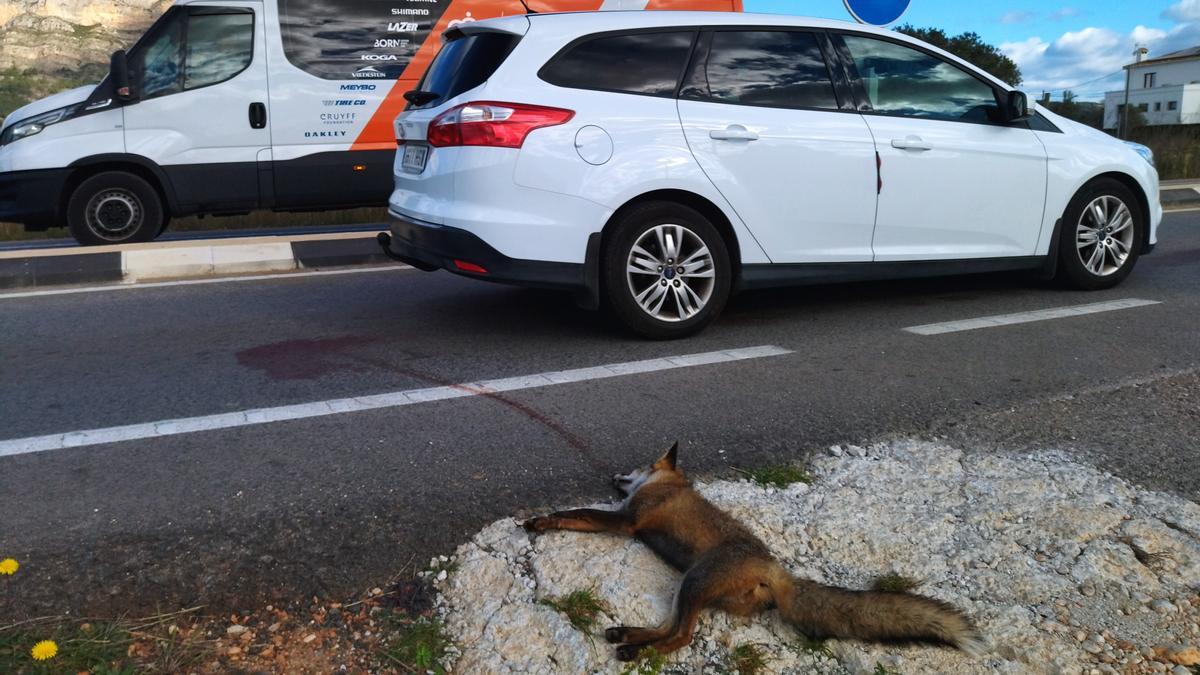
(1027, 317)
(187, 425)
(196, 282)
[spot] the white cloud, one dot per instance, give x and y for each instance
(1064, 13)
(1017, 17)
(1076, 58)
(1184, 10)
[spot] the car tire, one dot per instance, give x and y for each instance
(115, 207)
(643, 285)
(1101, 236)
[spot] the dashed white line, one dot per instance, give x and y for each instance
(1028, 317)
(196, 282)
(187, 425)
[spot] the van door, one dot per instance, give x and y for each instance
(200, 76)
(762, 117)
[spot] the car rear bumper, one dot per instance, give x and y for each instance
(461, 252)
(31, 197)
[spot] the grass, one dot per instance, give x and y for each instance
(94, 648)
(416, 645)
(649, 662)
(110, 647)
(814, 647)
(894, 583)
(582, 608)
(747, 659)
(777, 475)
(881, 670)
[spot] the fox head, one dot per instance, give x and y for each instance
(663, 469)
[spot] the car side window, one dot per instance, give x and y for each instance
(648, 63)
(771, 68)
(903, 81)
(219, 46)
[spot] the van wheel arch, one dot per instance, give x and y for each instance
(115, 205)
(148, 171)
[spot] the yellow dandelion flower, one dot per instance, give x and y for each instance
(8, 566)
(44, 650)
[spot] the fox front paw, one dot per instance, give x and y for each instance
(615, 635)
(628, 652)
(539, 524)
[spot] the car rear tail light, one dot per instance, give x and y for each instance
(492, 124)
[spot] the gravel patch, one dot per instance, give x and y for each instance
(1065, 569)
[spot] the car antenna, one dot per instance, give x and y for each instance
(526, 6)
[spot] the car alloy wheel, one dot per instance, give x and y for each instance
(1104, 236)
(670, 273)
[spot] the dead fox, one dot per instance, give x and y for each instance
(725, 566)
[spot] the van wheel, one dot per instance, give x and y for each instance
(1101, 236)
(666, 271)
(114, 207)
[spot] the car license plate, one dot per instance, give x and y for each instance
(414, 158)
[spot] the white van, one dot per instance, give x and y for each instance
(226, 106)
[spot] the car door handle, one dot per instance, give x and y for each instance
(733, 132)
(258, 115)
(911, 143)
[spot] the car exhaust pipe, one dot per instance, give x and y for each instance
(385, 242)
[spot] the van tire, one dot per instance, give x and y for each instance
(665, 304)
(115, 207)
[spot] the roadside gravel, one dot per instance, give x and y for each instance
(1066, 569)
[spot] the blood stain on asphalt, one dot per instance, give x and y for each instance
(575, 442)
(305, 359)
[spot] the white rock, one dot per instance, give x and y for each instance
(1162, 606)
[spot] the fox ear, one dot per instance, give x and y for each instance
(667, 461)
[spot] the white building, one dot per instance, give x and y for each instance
(1166, 89)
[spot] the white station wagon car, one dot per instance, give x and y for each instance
(660, 161)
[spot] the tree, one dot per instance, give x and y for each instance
(969, 47)
(1084, 112)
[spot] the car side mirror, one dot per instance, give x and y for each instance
(1016, 107)
(118, 68)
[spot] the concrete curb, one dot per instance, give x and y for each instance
(1182, 195)
(28, 267)
(184, 259)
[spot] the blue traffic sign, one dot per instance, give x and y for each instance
(877, 12)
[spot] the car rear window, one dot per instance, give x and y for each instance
(648, 63)
(771, 68)
(465, 62)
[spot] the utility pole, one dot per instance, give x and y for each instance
(1123, 123)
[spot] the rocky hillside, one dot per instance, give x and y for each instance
(48, 45)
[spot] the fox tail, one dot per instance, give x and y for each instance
(821, 611)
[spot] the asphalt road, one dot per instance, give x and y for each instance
(336, 504)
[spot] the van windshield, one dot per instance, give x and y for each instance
(464, 62)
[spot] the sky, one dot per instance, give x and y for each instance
(1058, 44)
